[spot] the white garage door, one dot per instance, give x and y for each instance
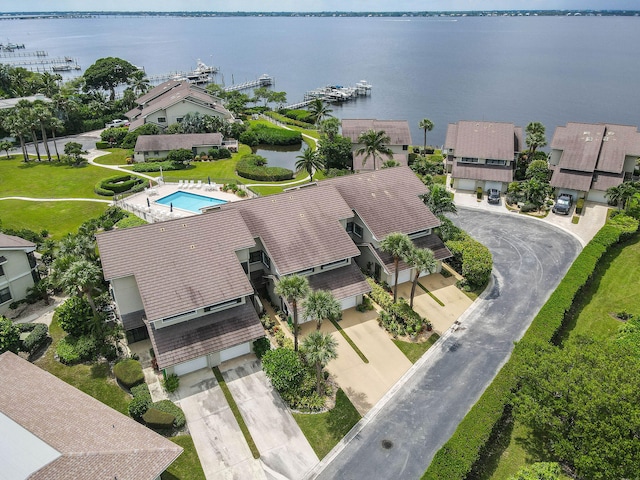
(349, 302)
(234, 352)
(404, 276)
(466, 184)
(597, 196)
(190, 366)
(497, 185)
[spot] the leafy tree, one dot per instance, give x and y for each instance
(398, 245)
(261, 93)
(422, 260)
(180, 156)
(582, 403)
(74, 316)
(535, 136)
(279, 98)
(374, 146)
(146, 129)
(318, 111)
(538, 169)
(107, 73)
(6, 146)
(538, 471)
(236, 102)
(330, 127)
(535, 191)
(427, 126)
(74, 151)
(319, 349)
(321, 305)
(284, 368)
(335, 153)
(293, 288)
(439, 200)
(309, 161)
(9, 336)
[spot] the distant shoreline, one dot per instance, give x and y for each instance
(406, 14)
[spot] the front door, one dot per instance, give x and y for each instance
(377, 271)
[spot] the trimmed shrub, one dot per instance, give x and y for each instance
(119, 184)
(72, 350)
(102, 145)
(168, 406)
(129, 373)
(74, 316)
(252, 167)
(263, 134)
(66, 352)
(284, 368)
(139, 406)
(529, 207)
(261, 346)
(579, 206)
(155, 418)
(472, 260)
(36, 338)
(141, 390)
(155, 166)
(380, 295)
(219, 153)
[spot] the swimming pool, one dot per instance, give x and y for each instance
(191, 202)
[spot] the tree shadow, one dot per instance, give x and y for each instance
(491, 453)
(100, 370)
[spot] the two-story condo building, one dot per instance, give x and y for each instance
(191, 284)
(398, 132)
(18, 270)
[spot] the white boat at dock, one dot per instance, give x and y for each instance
(202, 73)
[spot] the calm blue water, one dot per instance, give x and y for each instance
(515, 69)
(189, 201)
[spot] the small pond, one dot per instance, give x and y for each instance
(280, 156)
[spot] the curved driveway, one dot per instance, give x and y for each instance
(399, 439)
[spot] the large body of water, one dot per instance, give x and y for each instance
(510, 69)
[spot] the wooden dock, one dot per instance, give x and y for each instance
(262, 81)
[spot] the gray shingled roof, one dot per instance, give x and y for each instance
(432, 242)
(159, 90)
(203, 335)
(580, 144)
(11, 242)
(603, 181)
(401, 158)
(94, 440)
(182, 264)
(151, 143)
(571, 179)
(494, 140)
(299, 229)
(398, 130)
(342, 282)
(495, 173)
(386, 200)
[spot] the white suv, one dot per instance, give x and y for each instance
(116, 123)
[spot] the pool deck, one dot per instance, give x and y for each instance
(154, 212)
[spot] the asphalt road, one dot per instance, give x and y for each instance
(530, 258)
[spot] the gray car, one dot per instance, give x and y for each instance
(493, 195)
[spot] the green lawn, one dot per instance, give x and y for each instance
(116, 156)
(413, 351)
(59, 218)
(325, 430)
(187, 466)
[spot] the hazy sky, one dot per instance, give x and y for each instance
(311, 5)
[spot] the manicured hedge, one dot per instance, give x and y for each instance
(457, 457)
(290, 120)
(103, 145)
(476, 260)
(168, 406)
(129, 373)
(36, 338)
(261, 134)
(141, 401)
(380, 295)
(249, 167)
(155, 418)
(108, 187)
(155, 166)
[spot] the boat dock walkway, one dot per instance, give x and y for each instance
(333, 93)
(12, 54)
(263, 81)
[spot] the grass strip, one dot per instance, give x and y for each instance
(325, 430)
(431, 294)
(349, 341)
(236, 413)
(187, 465)
(413, 351)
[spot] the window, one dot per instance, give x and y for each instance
(421, 233)
(308, 271)
(350, 227)
(468, 160)
(222, 306)
(331, 265)
(266, 260)
(357, 230)
(162, 119)
(179, 119)
(491, 161)
(5, 295)
(405, 147)
(255, 257)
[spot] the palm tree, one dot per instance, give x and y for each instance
(42, 114)
(17, 127)
(620, 194)
(293, 288)
(535, 137)
(56, 125)
(427, 126)
(373, 145)
(49, 84)
(318, 111)
(6, 146)
(439, 200)
(321, 305)
(24, 110)
(319, 349)
(309, 161)
(398, 245)
(423, 260)
(139, 82)
(81, 277)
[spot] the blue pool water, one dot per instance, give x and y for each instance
(189, 201)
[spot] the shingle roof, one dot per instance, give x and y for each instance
(401, 158)
(11, 242)
(432, 242)
(201, 336)
(182, 264)
(148, 143)
(300, 229)
(94, 440)
(603, 181)
(398, 130)
(571, 179)
(159, 90)
(341, 282)
(495, 173)
(618, 142)
(494, 140)
(386, 200)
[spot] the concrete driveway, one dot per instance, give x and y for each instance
(223, 451)
(398, 439)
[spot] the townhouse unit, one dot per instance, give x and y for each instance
(398, 132)
(482, 154)
(193, 285)
(587, 158)
(159, 146)
(18, 269)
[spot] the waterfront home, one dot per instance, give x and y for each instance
(170, 101)
(52, 430)
(193, 285)
(482, 154)
(587, 158)
(159, 146)
(398, 132)
(18, 270)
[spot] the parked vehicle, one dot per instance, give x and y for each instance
(117, 123)
(563, 204)
(493, 195)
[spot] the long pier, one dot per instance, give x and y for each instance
(331, 94)
(12, 54)
(263, 81)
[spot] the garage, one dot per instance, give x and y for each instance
(348, 302)
(489, 185)
(234, 352)
(465, 184)
(190, 366)
(597, 196)
(404, 276)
